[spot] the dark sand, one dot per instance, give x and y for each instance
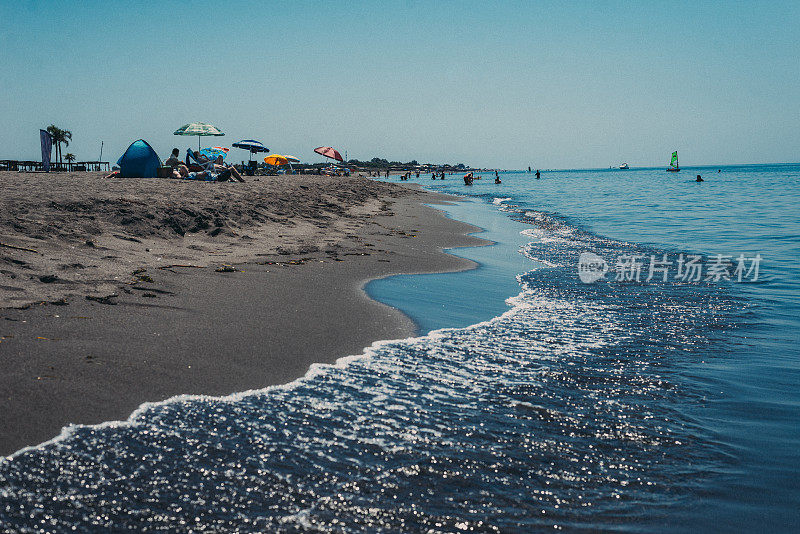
(196, 330)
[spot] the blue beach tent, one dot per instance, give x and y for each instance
(139, 161)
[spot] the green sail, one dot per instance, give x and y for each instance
(674, 162)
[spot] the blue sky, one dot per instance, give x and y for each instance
(495, 84)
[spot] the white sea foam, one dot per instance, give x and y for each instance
(516, 303)
(314, 370)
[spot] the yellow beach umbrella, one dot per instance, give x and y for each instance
(276, 159)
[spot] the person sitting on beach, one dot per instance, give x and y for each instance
(197, 162)
(173, 161)
(229, 170)
(203, 160)
(191, 157)
(182, 172)
(217, 168)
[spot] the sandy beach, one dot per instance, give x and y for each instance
(76, 234)
(117, 292)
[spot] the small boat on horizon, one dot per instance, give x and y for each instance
(673, 164)
(623, 167)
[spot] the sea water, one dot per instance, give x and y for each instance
(532, 399)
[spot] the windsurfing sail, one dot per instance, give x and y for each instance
(673, 164)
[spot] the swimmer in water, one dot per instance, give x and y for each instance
(699, 179)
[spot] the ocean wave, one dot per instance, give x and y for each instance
(572, 408)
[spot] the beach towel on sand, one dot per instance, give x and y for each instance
(203, 176)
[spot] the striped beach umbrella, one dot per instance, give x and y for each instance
(252, 145)
(329, 152)
(200, 129)
(291, 159)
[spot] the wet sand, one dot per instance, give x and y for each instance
(292, 297)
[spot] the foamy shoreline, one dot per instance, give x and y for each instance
(198, 331)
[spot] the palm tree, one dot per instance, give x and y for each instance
(66, 137)
(55, 133)
(70, 157)
(59, 136)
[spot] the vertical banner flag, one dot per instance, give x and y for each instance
(47, 147)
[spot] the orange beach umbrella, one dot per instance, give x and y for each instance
(276, 159)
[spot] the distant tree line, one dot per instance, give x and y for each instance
(380, 163)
